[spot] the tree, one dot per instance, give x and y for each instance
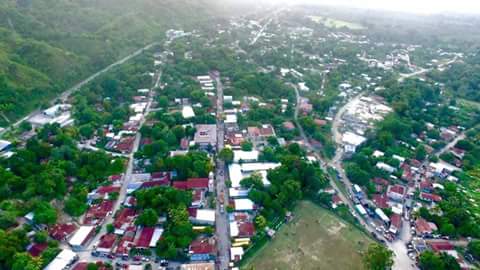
(41, 237)
(474, 248)
(420, 152)
(75, 207)
(92, 266)
(431, 261)
(110, 228)
(44, 213)
(260, 222)
(378, 257)
(226, 155)
(23, 261)
(25, 126)
(247, 146)
(148, 218)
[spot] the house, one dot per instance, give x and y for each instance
(236, 254)
(242, 229)
(198, 198)
(124, 220)
(385, 167)
(61, 232)
(430, 197)
(81, 237)
(125, 245)
(238, 172)
(205, 135)
(192, 183)
(260, 133)
(198, 266)
(245, 156)
(235, 140)
(202, 246)
(288, 125)
(187, 112)
(148, 237)
(396, 192)
(426, 186)
(424, 228)
(395, 223)
(97, 212)
(202, 216)
(336, 201)
(36, 249)
(64, 260)
(5, 145)
(107, 241)
(238, 193)
(243, 205)
(351, 141)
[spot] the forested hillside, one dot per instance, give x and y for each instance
(48, 45)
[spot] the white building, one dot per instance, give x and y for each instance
(243, 205)
(245, 156)
(351, 141)
(204, 216)
(238, 172)
(63, 260)
(187, 112)
(81, 237)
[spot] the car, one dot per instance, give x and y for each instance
(222, 209)
(163, 263)
(137, 258)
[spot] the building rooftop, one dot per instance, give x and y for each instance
(81, 236)
(206, 134)
(62, 260)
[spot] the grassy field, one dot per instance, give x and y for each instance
(315, 239)
(334, 23)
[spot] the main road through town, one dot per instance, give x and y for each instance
(221, 224)
(401, 259)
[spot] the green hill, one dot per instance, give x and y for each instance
(48, 45)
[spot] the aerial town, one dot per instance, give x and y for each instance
(221, 147)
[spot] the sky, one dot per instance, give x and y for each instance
(413, 6)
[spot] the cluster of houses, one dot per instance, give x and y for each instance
(122, 141)
(411, 184)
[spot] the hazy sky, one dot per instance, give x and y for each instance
(416, 6)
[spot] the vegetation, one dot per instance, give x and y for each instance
(378, 257)
(47, 46)
(303, 243)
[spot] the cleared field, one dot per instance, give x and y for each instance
(315, 239)
(334, 23)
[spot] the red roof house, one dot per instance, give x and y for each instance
(192, 183)
(61, 232)
(144, 238)
(430, 197)
(202, 246)
(107, 241)
(36, 249)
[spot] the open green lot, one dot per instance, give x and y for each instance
(315, 239)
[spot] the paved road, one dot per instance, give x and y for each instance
(67, 93)
(401, 259)
(222, 225)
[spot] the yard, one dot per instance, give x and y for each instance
(315, 239)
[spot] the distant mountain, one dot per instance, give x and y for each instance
(48, 45)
